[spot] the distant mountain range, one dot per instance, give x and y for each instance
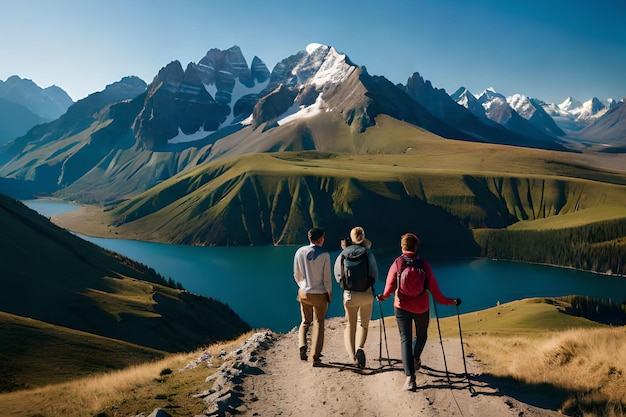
(131, 137)
(23, 104)
(34, 105)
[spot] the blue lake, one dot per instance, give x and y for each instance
(257, 282)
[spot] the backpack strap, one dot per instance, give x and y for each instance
(343, 273)
(420, 265)
(367, 263)
(400, 265)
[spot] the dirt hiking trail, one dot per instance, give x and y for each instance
(291, 387)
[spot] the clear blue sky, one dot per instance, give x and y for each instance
(548, 49)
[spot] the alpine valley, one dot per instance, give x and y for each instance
(225, 153)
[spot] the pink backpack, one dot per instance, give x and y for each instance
(412, 277)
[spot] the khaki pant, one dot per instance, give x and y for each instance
(358, 307)
(313, 309)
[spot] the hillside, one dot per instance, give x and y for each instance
(453, 188)
(34, 353)
(51, 275)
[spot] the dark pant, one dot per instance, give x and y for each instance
(410, 346)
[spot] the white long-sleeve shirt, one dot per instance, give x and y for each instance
(311, 269)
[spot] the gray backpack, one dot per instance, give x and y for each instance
(355, 269)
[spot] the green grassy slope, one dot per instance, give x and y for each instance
(531, 317)
(53, 276)
(434, 187)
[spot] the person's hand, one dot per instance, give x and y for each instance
(379, 297)
(457, 302)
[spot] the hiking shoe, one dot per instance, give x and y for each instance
(317, 362)
(360, 358)
(417, 363)
(409, 384)
(303, 355)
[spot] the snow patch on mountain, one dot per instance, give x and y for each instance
(183, 138)
(301, 112)
(496, 106)
(569, 104)
(333, 70)
(312, 47)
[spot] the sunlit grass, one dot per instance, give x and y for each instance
(138, 389)
(588, 363)
(535, 342)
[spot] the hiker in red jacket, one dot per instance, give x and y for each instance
(412, 308)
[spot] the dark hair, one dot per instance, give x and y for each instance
(409, 242)
(316, 234)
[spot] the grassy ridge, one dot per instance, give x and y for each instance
(533, 318)
(273, 198)
(52, 276)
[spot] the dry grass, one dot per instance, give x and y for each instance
(535, 342)
(589, 363)
(139, 389)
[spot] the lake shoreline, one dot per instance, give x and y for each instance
(92, 221)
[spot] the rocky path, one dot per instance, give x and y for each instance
(278, 383)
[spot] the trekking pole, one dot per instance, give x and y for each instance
(382, 320)
(458, 317)
(445, 364)
(380, 341)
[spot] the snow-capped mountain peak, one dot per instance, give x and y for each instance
(522, 105)
(464, 97)
(322, 65)
(489, 95)
(573, 115)
(569, 103)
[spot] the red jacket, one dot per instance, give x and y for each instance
(421, 303)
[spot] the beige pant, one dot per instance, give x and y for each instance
(313, 310)
(358, 307)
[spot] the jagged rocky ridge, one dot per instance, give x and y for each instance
(128, 138)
